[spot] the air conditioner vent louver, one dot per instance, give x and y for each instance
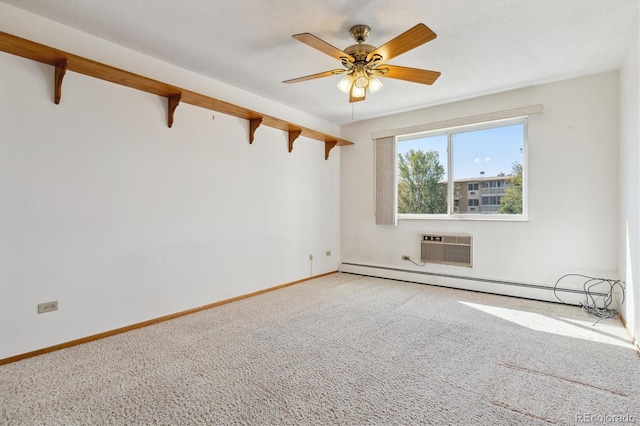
(447, 249)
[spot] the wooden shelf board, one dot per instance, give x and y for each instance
(48, 55)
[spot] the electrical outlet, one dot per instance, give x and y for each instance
(328, 253)
(405, 257)
(43, 308)
(310, 257)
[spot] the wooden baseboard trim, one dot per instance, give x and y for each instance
(634, 342)
(150, 322)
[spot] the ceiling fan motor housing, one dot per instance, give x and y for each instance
(359, 51)
(360, 32)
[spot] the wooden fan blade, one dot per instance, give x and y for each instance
(353, 99)
(323, 46)
(314, 76)
(420, 34)
(414, 75)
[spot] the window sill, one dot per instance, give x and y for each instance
(471, 218)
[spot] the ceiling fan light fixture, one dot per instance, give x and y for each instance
(357, 92)
(374, 84)
(345, 84)
(361, 79)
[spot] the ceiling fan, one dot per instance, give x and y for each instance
(363, 63)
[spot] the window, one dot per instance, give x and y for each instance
(434, 169)
(422, 175)
(493, 200)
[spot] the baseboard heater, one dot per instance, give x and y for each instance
(467, 278)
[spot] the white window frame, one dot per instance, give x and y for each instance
(385, 184)
(450, 131)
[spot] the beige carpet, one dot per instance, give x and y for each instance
(340, 349)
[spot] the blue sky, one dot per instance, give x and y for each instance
(490, 150)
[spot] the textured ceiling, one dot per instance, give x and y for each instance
(482, 46)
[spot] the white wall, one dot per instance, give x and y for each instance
(121, 219)
(50, 33)
(630, 185)
(573, 196)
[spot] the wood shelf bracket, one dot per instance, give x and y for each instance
(174, 101)
(254, 123)
(64, 61)
(293, 135)
(61, 69)
(328, 146)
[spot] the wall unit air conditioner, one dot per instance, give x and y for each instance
(454, 250)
